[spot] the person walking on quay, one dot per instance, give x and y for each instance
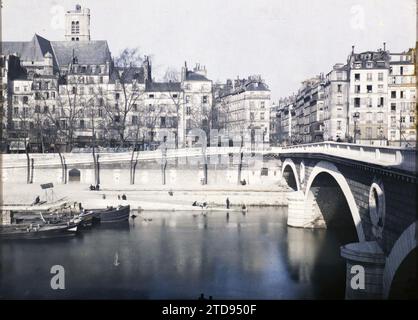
(227, 203)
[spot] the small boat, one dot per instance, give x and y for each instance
(37, 231)
(88, 218)
(111, 214)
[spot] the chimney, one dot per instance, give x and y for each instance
(352, 49)
(384, 46)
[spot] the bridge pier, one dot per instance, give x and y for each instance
(303, 213)
(367, 257)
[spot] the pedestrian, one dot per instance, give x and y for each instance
(80, 206)
(104, 196)
(37, 200)
(227, 203)
(118, 196)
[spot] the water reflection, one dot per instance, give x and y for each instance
(180, 255)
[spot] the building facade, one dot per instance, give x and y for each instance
(368, 97)
(72, 93)
(244, 108)
(402, 99)
(369, 100)
(336, 104)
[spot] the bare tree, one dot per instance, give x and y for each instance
(25, 123)
(171, 77)
(127, 92)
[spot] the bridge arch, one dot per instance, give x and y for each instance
(404, 247)
(330, 175)
(290, 174)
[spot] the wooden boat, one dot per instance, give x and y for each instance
(111, 214)
(88, 218)
(37, 231)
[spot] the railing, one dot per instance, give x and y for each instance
(401, 158)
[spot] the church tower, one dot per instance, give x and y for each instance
(77, 24)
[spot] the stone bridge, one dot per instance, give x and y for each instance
(371, 190)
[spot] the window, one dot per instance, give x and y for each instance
(188, 111)
(264, 171)
(91, 90)
(401, 71)
(82, 124)
(53, 94)
(369, 89)
(368, 133)
(205, 99)
(393, 94)
(117, 96)
(339, 125)
(357, 89)
(17, 89)
(339, 88)
(412, 119)
(46, 109)
(369, 117)
(339, 100)
(380, 117)
(37, 109)
(262, 116)
(369, 77)
(380, 76)
(381, 102)
(16, 111)
(162, 122)
(151, 96)
(393, 106)
(252, 116)
(187, 99)
(357, 76)
(403, 119)
(357, 102)
(175, 95)
(135, 107)
(25, 99)
(134, 120)
(402, 95)
(262, 104)
(339, 75)
(74, 90)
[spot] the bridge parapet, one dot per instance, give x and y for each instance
(401, 158)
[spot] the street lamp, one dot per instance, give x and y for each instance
(356, 116)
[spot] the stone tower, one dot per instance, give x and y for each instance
(77, 24)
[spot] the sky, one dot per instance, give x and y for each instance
(284, 41)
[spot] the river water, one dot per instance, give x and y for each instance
(179, 256)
